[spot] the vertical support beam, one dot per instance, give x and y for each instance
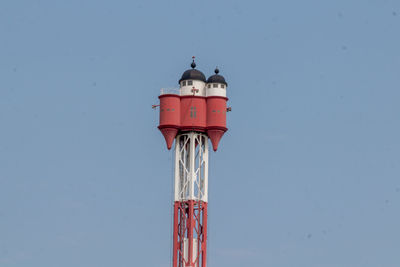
(177, 171)
(192, 160)
(175, 237)
(182, 231)
(204, 239)
(205, 158)
(190, 232)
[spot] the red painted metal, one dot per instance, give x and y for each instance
(170, 107)
(215, 136)
(216, 119)
(193, 113)
(216, 111)
(169, 133)
(190, 226)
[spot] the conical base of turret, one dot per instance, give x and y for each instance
(169, 135)
(215, 136)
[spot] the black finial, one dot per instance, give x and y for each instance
(216, 70)
(193, 65)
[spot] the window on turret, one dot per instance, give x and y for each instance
(184, 83)
(193, 112)
(190, 82)
(222, 85)
(215, 85)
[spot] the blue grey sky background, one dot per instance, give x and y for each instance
(308, 174)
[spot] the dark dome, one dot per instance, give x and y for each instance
(216, 78)
(193, 74)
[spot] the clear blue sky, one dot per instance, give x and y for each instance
(308, 174)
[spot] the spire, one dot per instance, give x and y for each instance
(193, 65)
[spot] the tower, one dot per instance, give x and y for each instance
(191, 115)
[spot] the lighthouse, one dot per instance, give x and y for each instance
(190, 116)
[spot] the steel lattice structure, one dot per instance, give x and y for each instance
(191, 197)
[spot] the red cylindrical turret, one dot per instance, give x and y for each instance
(193, 113)
(170, 108)
(216, 108)
(216, 119)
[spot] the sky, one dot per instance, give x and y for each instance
(308, 174)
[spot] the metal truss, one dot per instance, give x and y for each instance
(191, 167)
(190, 234)
(191, 197)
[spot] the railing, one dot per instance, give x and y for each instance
(173, 91)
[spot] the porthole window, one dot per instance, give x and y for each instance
(190, 82)
(222, 85)
(184, 83)
(209, 86)
(215, 85)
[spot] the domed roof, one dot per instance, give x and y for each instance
(193, 74)
(216, 78)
